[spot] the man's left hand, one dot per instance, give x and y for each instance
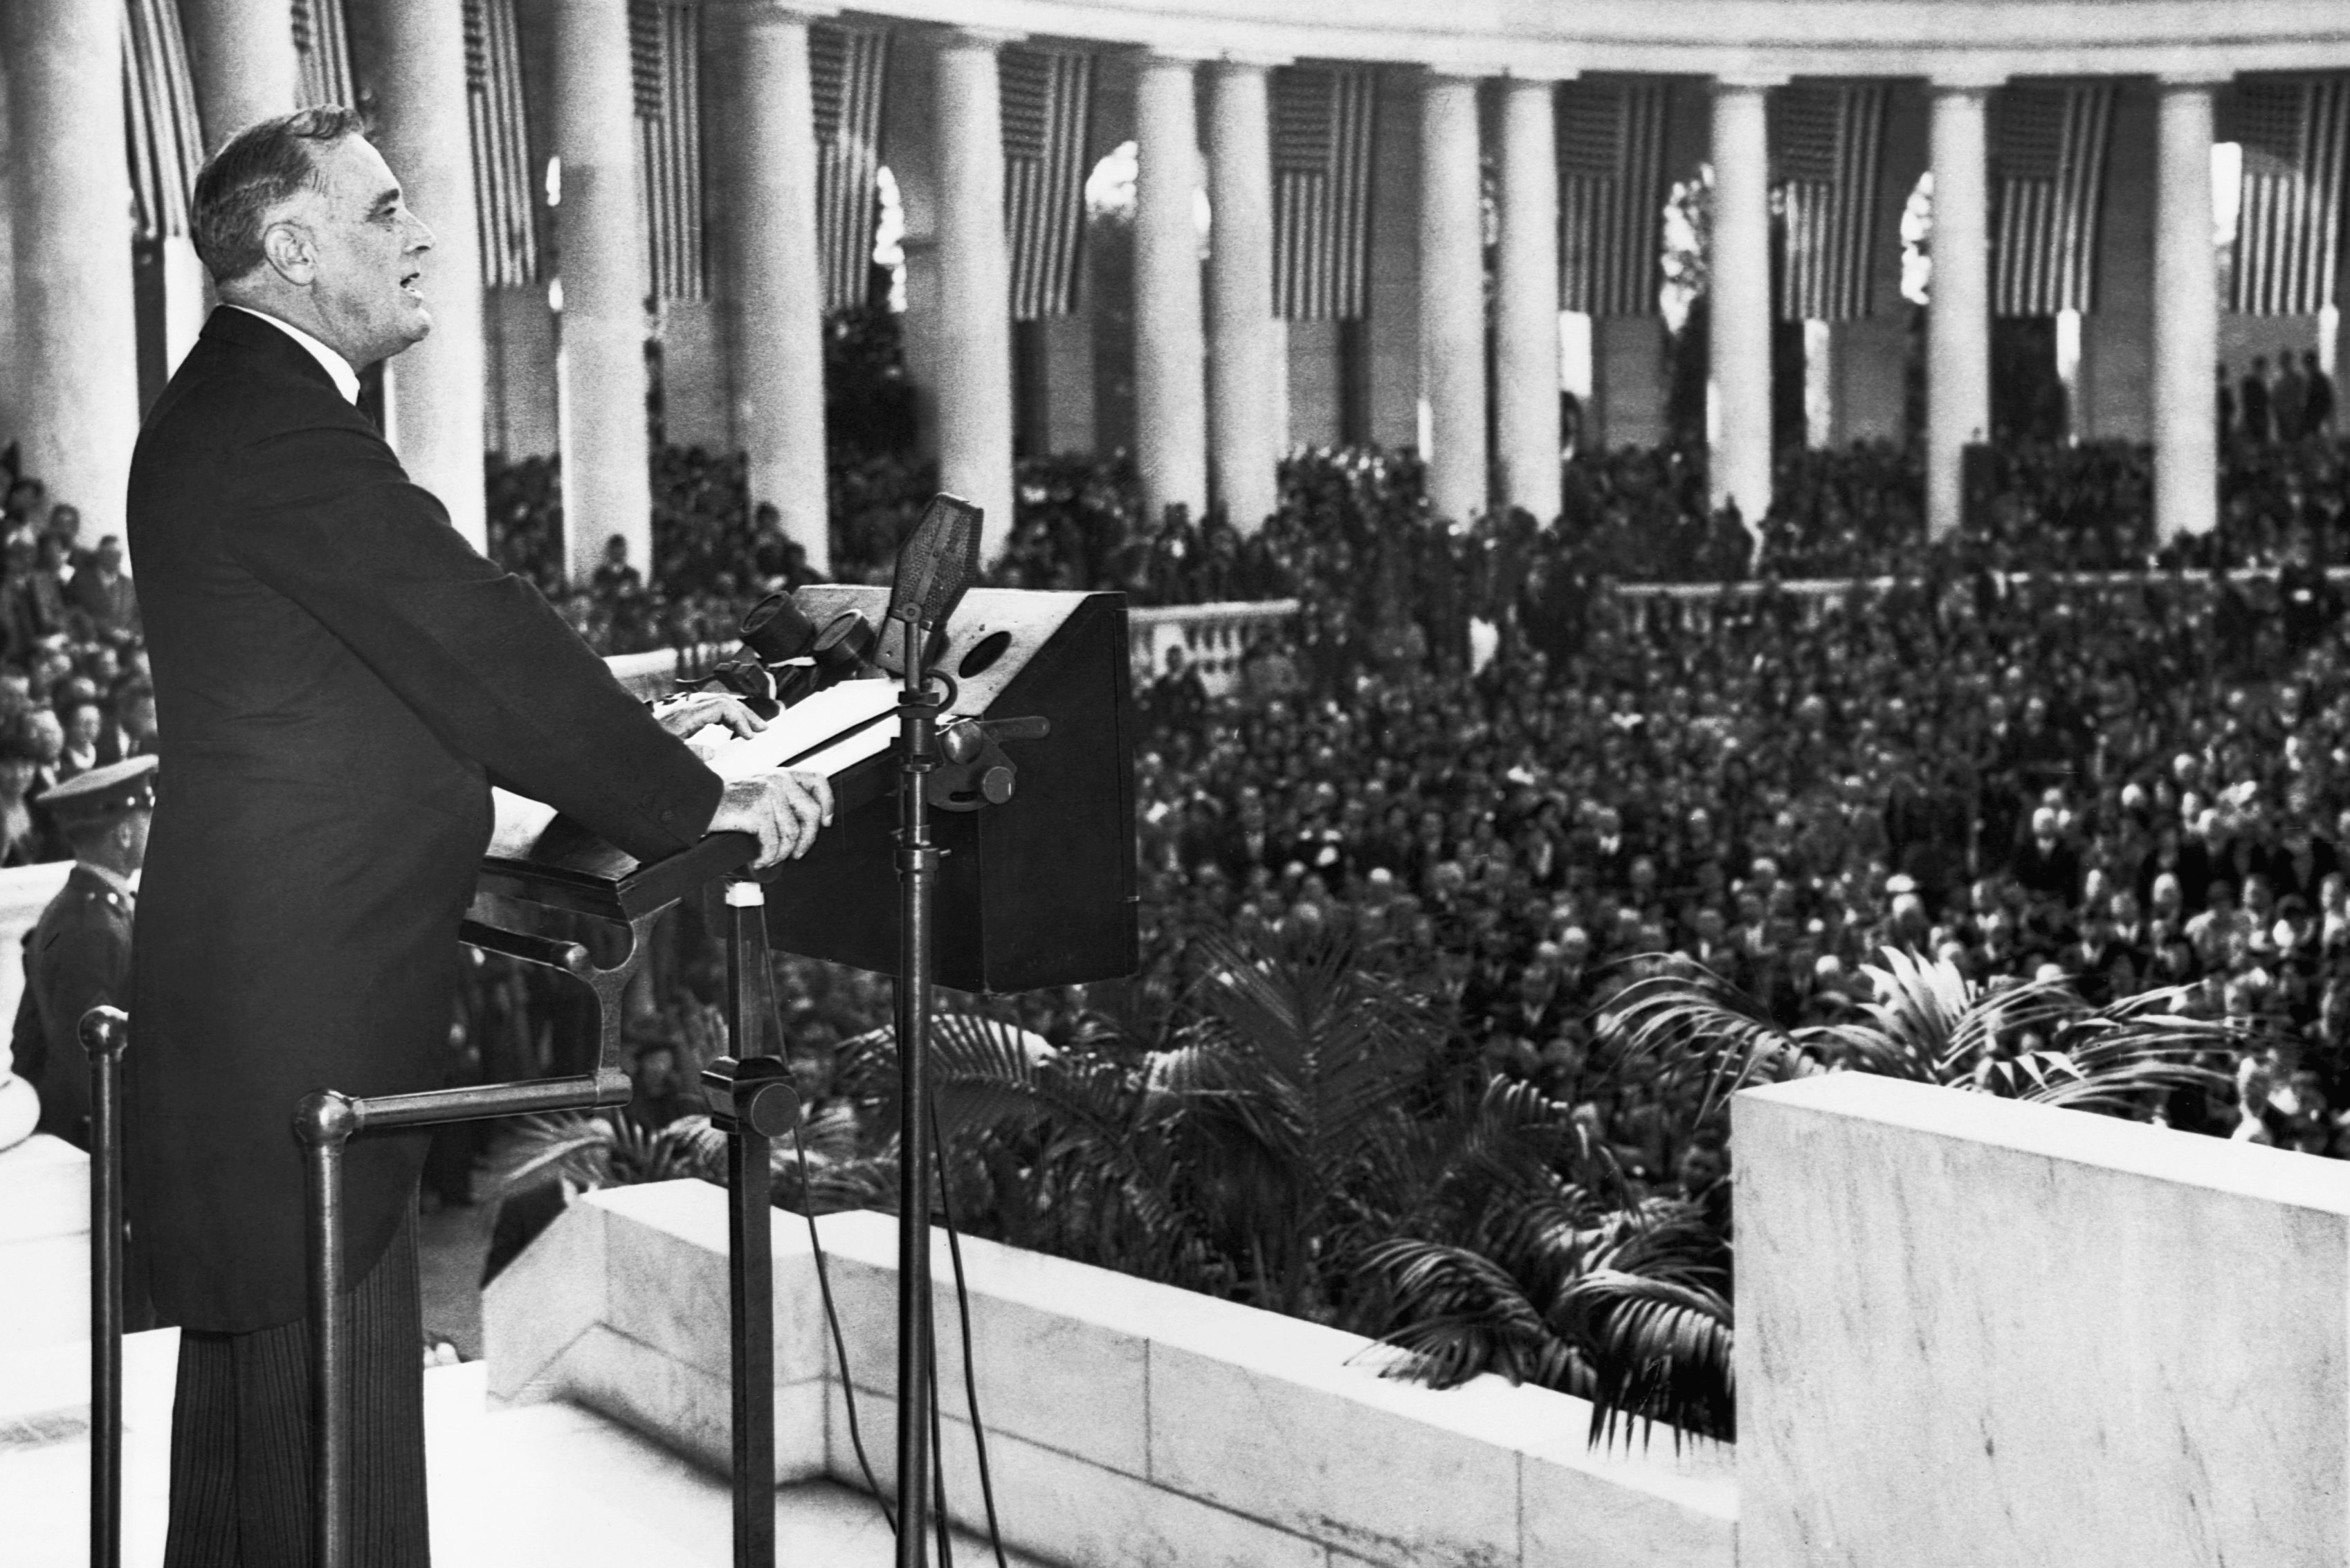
(690, 712)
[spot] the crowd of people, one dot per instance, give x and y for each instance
(2138, 782)
(2296, 402)
(75, 693)
(2133, 786)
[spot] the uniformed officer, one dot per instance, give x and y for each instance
(78, 956)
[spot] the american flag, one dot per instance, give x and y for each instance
(1047, 108)
(322, 55)
(1828, 142)
(159, 98)
(504, 213)
(846, 67)
(665, 51)
(1322, 125)
(2288, 225)
(1611, 195)
(2048, 168)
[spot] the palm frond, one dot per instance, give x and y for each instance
(1692, 1024)
(1661, 1350)
(535, 1149)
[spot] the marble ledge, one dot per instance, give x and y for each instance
(2221, 1164)
(1210, 1418)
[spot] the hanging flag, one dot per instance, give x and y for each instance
(1826, 142)
(2048, 170)
(322, 54)
(665, 61)
(1611, 195)
(1322, 126)
(847, 68)
(159, 98)
(1047, 108)
(504, 215)
(2289, 221)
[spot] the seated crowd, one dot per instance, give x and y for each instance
(74, 688)
(2135, 783)
(2131, 786)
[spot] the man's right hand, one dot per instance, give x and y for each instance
(782, 810)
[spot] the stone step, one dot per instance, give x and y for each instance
(526, 1484)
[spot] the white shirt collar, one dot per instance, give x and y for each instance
(346, 380)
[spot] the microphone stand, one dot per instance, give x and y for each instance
(918, 872)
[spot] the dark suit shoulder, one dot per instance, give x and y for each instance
(231, 391)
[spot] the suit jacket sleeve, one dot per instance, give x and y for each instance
(325, 515)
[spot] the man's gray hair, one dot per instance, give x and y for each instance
(261, 166)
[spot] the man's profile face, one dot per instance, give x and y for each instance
(365, 252)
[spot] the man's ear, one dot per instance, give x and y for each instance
(287, 247)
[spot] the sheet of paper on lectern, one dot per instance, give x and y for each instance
(826, 733)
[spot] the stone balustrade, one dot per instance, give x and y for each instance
(1127, 1422)
(1213, 638)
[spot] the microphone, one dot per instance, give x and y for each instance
(936, 564)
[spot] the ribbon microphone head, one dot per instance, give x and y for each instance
(939, 561)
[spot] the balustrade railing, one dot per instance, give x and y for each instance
(1215, 637)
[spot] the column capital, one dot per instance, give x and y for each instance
(1520, 75)
(778, 10)
(1965, 79)
(1251, 60)
(2193, 78)
(1190, 55)
(1746, 82)
(989, 39)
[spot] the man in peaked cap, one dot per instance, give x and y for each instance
(77, 956)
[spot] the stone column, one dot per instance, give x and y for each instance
(974, 272)
(78, 365)
(778, 338)
(601, 257)
(1171, 412)
(434, 391)
(1740, 463)
(1525, 302)
(2186, 312)
(1958, 317)
(1453, 297)
(10, 406)
(241, 53)
(1243, 423)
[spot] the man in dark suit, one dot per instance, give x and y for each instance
(2252, 402)
(338, 678)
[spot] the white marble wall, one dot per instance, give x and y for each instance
(1977, 1331)
(1127, 1422)
(44, 1245)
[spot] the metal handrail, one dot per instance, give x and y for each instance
(327, 1121)
(105, 1034)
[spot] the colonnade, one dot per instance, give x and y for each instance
(1207, 344)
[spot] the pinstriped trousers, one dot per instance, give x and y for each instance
(241, 1435)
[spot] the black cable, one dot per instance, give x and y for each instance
(840, 1343)
(938, 1443)
(962, 1310)
(832, 1317)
